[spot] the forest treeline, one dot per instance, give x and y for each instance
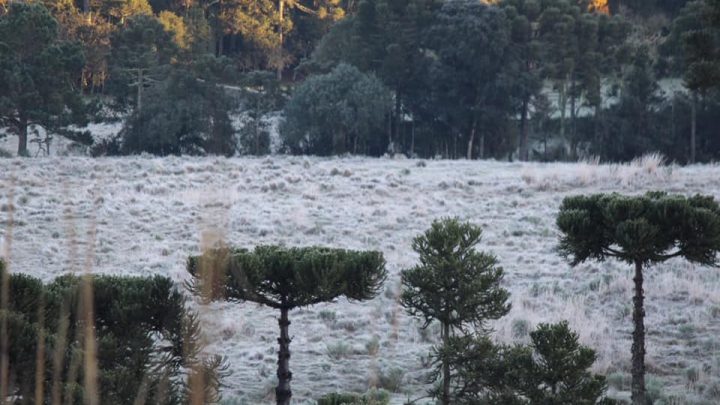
(517, 79)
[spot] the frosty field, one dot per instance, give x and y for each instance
(139, 216)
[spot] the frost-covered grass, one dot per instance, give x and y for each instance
(149, 214)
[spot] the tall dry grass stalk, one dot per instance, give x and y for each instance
(90, 383)
(4, 303)
(40, 356)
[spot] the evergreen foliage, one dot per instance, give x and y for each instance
(642, 231)
(553, 369)
(473, 90)
(263, 95)
(181, 115)
(285, 279)
(454, 285)
(147, 340)
(339, 112)
(373, 397)
(141, 52)
(39, 73)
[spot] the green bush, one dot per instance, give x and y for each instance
(337, 351)
(372, 397)
(339, 112)
(147, 341)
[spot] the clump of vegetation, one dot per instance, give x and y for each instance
(338, 350)
(132, 337)
(554, 368)
(338, 112)
(196, 122)
(391, 379)
(372, 397)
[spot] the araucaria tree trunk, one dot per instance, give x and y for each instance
(638, 345)
(283, 392)
(446, 367)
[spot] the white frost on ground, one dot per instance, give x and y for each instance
(149, 214)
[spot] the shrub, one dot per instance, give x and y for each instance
(337, 350)
(391, 379)
(373, 346)
(372, 397)
(619, 380)
(145, 338)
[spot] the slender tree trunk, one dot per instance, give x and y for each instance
(562, 104)
(596, 124)
(391, 147)
(397, 115)
(283, 392)
(524, 155)
(472, 138)
(573, 122)
(280, 47)
(22, 136)
(412, 138)
(455, 139)
(638, 345)
(446, 367)
(220, 44)
(693, 126)
(482, 146)
(257, 137)
(139, 90)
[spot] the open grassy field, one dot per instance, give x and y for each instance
(146, 215)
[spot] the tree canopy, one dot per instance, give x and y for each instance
(650, 228)
(39, 73)
(338, 112)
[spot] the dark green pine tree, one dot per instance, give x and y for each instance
(285, 279)
(639, 230)
(454, 284)
(555, 368)
(39, 73)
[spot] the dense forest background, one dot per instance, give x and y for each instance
(513, 79)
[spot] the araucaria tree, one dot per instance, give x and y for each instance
(454, 284)
(639, 230)
(286, 278)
